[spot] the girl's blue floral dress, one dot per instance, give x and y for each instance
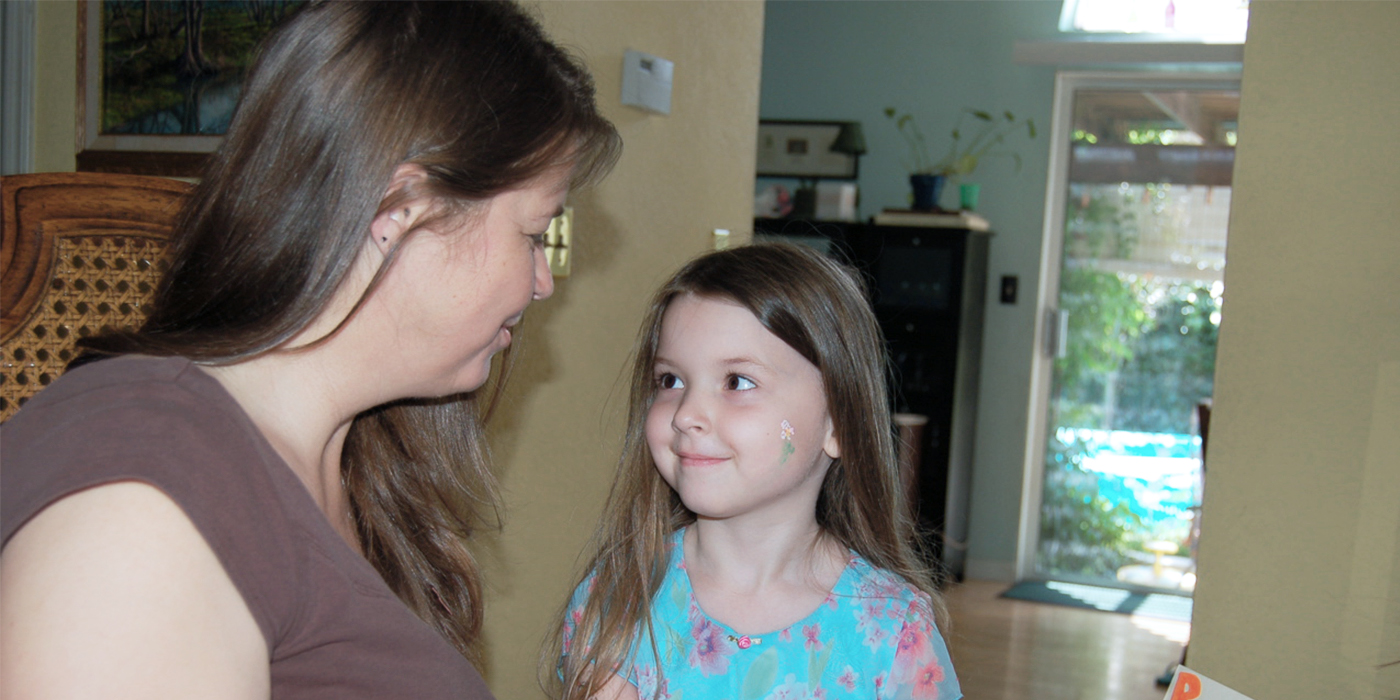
(874, 637)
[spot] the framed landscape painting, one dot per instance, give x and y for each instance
(159, 79)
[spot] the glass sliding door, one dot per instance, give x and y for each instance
(1143, 206)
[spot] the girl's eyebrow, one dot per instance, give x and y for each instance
(727, 362)
(743, 361)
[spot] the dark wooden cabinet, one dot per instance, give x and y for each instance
(928, 289)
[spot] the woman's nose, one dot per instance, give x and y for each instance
(544, 279)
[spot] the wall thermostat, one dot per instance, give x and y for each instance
(646, 81)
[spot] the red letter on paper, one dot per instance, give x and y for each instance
(1188, 686)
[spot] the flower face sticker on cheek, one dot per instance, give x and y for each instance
(787, 441)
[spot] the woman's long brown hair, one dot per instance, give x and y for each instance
(341, 95)
(817, 307)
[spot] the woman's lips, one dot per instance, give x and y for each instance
(509, 324)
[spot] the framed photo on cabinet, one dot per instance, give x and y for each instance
(803, 149)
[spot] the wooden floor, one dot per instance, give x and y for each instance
(1016, 650)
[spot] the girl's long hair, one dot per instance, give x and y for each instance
(817, 307)
(341, 95)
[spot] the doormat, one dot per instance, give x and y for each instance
(1078, 595)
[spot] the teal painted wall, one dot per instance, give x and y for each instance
(848, 60)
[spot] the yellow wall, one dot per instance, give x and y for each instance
(1299, 591)
(55, 91)
(680, 177)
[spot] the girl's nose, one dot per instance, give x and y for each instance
(690, 413)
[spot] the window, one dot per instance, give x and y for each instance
(1206, 21)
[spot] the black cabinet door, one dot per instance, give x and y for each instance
(927, 287)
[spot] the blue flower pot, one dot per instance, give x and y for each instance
(927, 189)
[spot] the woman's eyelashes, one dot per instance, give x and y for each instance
(536, 239)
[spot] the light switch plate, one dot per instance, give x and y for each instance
(721, 238)
(559, 243)
(646, 81)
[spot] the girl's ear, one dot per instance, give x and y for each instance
(389, 226)
(830, 445)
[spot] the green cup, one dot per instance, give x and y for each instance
(967, 195)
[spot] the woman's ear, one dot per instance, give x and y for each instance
(390, 224)
(389, 227)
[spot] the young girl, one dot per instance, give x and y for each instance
(756, 543)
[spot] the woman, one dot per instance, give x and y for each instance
(198, 516)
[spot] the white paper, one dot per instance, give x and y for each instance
(1191, 685)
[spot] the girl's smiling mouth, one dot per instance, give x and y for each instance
(690, 459)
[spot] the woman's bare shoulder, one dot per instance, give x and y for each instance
(116, 581)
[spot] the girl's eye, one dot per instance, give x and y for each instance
(738, 382)
(537, 240)
(670, 381)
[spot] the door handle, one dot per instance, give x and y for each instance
(1056, 333)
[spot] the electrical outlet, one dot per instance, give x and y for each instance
(559, 243)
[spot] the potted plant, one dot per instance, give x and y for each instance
(965, 150)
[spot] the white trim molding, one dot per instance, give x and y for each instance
(990, 570)
(1158, 55)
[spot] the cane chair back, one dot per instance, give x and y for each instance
(80, 252)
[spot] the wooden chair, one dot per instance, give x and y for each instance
(79, 252)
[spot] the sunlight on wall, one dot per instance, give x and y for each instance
(1217, 21)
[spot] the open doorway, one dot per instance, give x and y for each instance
(1139, 201)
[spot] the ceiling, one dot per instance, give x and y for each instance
(1109, 114)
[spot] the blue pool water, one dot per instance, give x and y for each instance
(1157, 474)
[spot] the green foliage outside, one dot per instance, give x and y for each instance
(1140, 354)
(1173, 363)
(1081, 531)
(1141, 350)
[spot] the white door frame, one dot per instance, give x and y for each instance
(1052, 249)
